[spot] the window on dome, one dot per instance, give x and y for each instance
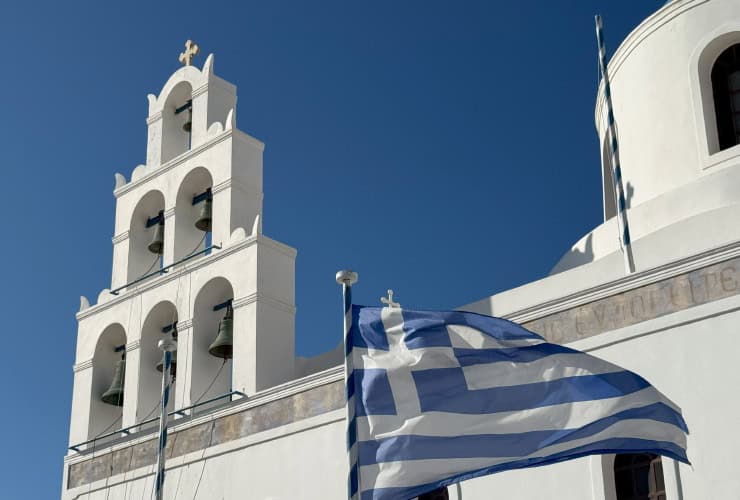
(726, 92)
(639, 476)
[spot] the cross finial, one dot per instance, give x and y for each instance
(191, 50)
(389, 301)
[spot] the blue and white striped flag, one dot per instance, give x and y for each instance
(439, 397)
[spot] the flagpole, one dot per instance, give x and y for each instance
(167, 345)
(347, 278)
(624, 234)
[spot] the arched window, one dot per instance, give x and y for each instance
(639, 476)
(726, 92)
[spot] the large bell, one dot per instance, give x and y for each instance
(204, 221)
(157, 244)
(188, 125)
(173, 365)
(114, 394)
(223, 346)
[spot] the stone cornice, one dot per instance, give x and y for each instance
(185, 269)
(84, 365)
(169, 165)
(266, 300)
(120, 237)
(279, 392)
(636, 280)
(184, 324)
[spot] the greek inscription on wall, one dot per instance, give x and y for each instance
(641, 304)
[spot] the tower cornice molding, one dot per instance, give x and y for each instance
(178, 273)
(120, 237)
(264, 299)
(83, 365)
(187, 155)
(133, 345)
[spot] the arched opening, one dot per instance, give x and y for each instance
(177, 121)
(110, 349)
(726, 94)
(160, 317)
(195, 187)
(639, 476)
(145, 224)
(211, 375)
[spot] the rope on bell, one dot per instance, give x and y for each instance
(210, 386)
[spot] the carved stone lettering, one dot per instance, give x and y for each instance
(641, 304)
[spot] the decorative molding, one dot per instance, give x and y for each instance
(319, 396)
(184, 324)
(263, 299)
(169, 165)
(170, 212)
(199, 91)
(221, 186)
(153, 118)
(627, 283)
(84, 365)
(133, 345)
(120, 237)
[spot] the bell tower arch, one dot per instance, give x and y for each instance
(189, 262)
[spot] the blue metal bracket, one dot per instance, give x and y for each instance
(153, 221)
(205, 195)
(165, 269)
(188, 105)
(120, 348)
(222, 305)
(171, 327)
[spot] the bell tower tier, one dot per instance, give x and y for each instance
(189, 262)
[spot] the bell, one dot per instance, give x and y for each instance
(223, 346)
(114, 394)
(157, 243)
(188, 125)
(204, 219)
(173, 365)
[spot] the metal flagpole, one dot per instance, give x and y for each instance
(624, 228)
(348, 278)
(167, 345)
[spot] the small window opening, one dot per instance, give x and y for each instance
(639, 476)
(726, 92)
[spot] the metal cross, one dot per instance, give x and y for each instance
(191, 50)
(389, 301)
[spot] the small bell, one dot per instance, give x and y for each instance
(204, 220)
(114, 394)
(173, 360)
(157, 244)
(223, 346)
(188, 125)
(173, 365)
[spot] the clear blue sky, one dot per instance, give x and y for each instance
(443, 149)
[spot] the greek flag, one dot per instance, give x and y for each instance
(438, 397)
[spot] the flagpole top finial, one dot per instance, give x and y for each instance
(346, 277)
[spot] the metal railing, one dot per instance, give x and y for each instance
(132, 429)
(165, 269)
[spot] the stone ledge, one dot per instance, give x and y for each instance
(300, 406)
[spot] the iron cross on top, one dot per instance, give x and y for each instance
(389, 301)
(191, 50)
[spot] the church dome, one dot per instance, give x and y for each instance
(675, 165)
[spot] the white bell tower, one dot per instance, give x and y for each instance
(195, 156)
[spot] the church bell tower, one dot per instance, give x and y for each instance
(190, 262)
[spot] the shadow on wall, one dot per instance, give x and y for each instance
(580, 255)
(576, 257)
